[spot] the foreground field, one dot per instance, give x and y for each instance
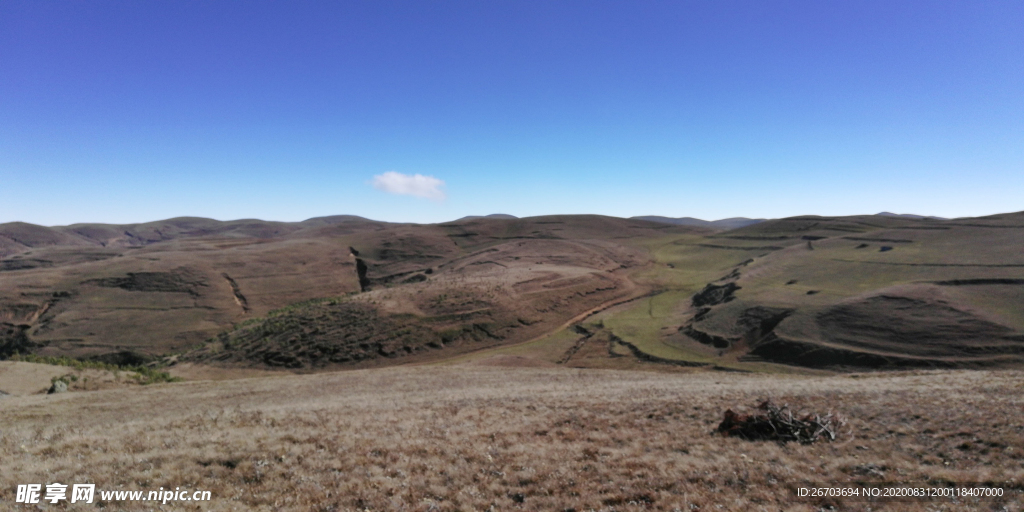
(484, 437)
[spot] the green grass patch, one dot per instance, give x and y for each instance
(142, 374)
(641, 325)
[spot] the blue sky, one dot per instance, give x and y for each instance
(135, 111)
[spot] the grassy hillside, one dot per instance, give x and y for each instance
(477, 438)
(592, 291)
(162, 288)
(839, 292)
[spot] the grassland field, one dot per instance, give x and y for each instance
(478, 437)
(552, 363)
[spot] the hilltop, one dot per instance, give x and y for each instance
(731, 223)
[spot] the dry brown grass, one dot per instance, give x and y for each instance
(21, 378)
(480, 438)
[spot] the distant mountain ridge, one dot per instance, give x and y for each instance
(730, 223)
(909, 216)
(739, 222)
(491, 216)
(18, 237)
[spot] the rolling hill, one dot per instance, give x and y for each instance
(142, 291)
(576, 290)
(866, 291)
(732, 223)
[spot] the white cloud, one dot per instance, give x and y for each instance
(410, 185)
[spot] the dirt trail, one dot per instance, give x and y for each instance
(639, 292)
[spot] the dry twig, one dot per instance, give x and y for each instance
(779, 424)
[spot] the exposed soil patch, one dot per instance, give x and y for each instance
(22, 313)
(237, 292)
